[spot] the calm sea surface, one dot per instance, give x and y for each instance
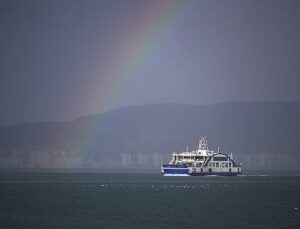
(123, 200)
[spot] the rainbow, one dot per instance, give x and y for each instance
(137, 51)
(133, 55)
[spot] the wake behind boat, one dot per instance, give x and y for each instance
(201, 162)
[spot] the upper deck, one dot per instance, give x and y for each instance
(196, 156)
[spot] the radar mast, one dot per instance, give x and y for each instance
(203, 144)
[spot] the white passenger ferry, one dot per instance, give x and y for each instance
(201, 162)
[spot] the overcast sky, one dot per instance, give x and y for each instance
(60, 60)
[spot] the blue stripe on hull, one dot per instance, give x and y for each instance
(175, 171)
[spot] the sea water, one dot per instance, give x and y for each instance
(133, 200)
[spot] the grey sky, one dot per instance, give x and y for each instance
(64, 59)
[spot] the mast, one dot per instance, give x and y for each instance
(203, 144)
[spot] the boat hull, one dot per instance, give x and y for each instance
(227, 174)
(173, 170)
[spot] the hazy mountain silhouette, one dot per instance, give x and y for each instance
(260, 134)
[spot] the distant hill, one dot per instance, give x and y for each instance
(259, 134)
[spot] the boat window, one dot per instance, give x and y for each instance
(220, 158)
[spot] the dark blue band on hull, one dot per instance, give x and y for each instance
(175, 171)
(174, 166)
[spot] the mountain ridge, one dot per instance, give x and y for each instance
(146, 135)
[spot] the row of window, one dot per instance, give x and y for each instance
(220, 159)
(192, 157)
(219, 164)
